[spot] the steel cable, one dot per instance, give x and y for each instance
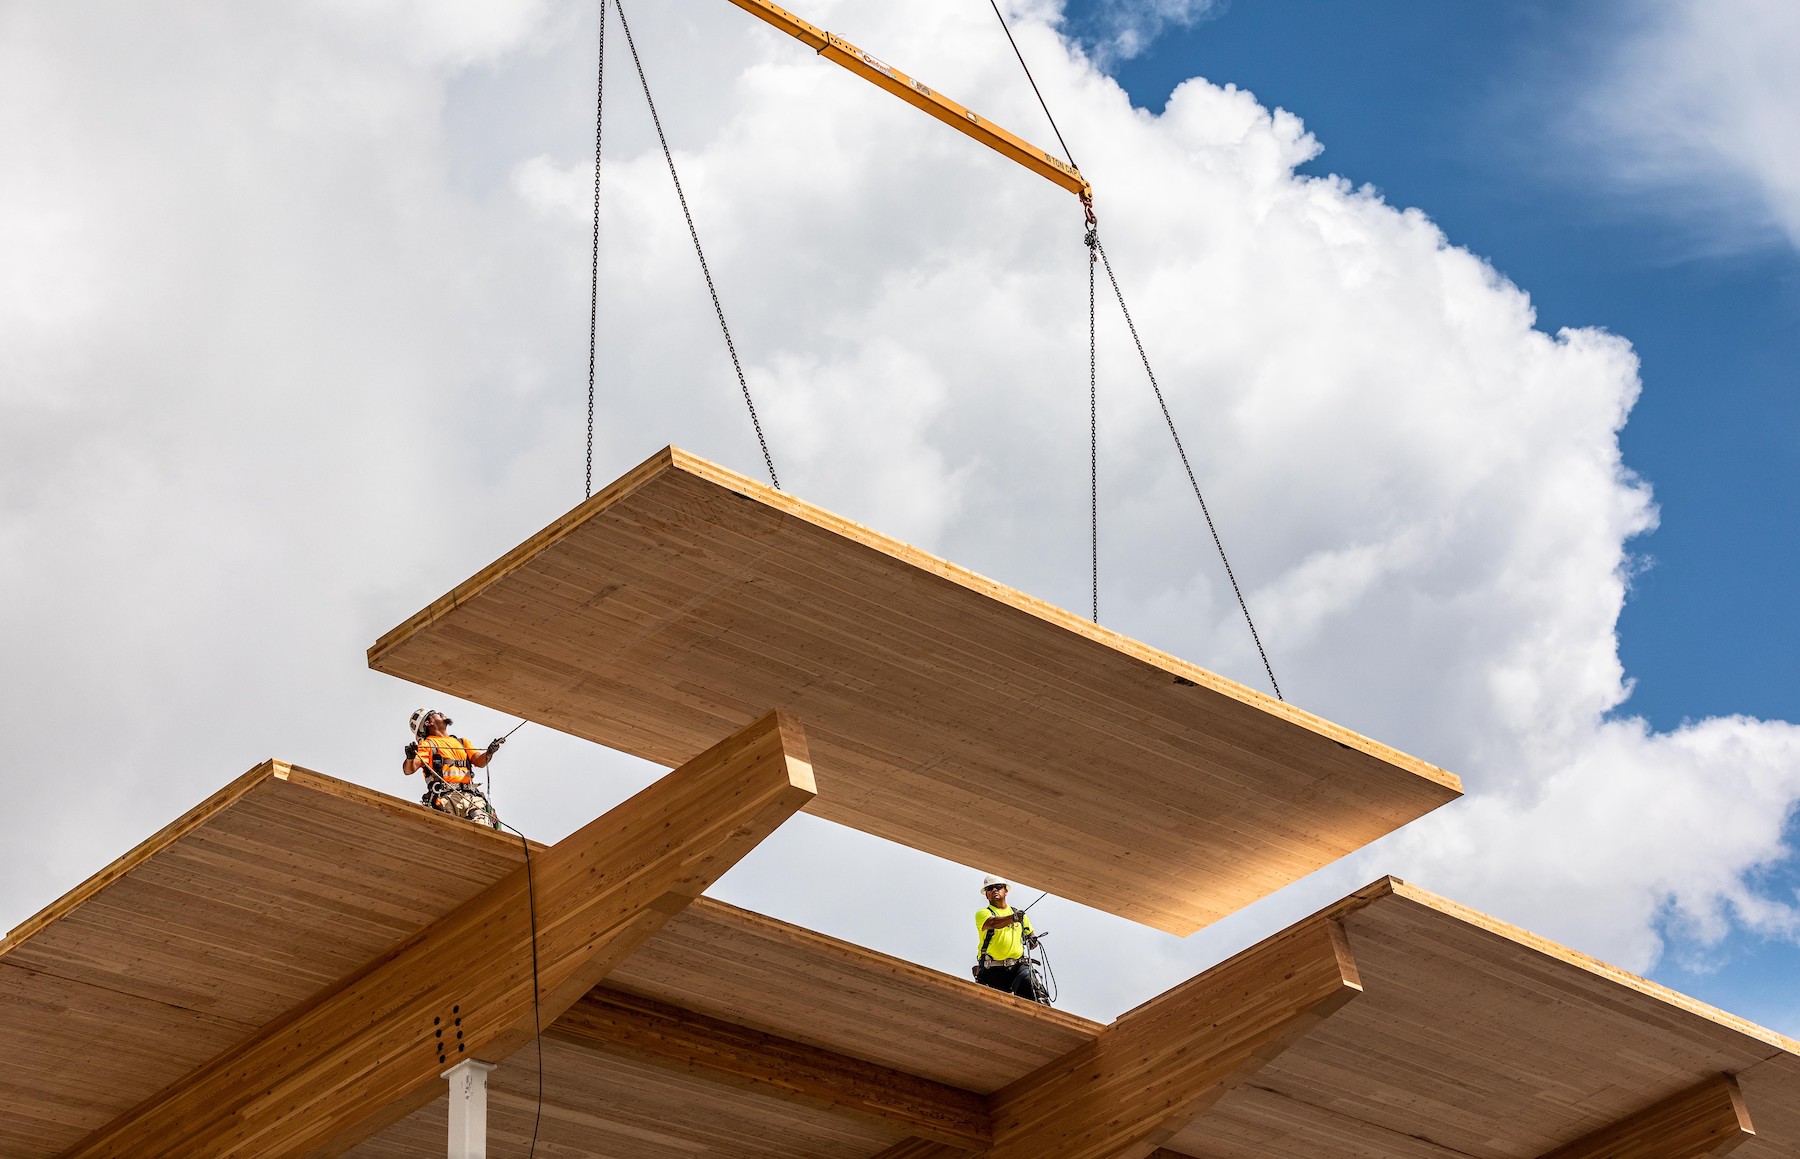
(1186, 466)
(699, 252)
(1093, 444)
(1070, 157)
(594, 269)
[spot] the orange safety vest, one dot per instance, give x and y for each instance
(452, 755)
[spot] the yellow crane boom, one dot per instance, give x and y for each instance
(840, 51)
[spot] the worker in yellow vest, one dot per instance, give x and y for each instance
(1004, 933)
(449, 764)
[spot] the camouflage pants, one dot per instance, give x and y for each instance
(470, 806)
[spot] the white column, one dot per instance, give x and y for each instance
(468, 1108)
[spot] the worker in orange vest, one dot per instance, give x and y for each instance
(449, 763)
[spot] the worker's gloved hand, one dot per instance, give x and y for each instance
(412, 751)
(494, 745)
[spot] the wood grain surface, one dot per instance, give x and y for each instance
(946, 711)
(1161, 1065)
(1474, 1038)
(475, 982)
(1707, 1119)
(640, 1029)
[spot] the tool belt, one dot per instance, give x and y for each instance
(988, 963)
(437, 787)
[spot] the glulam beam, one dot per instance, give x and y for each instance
(643, 1030)
(1157, 1067)
(1160, 1065)
(373, 1046)
(1706, 1120)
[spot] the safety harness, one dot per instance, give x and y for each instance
(982, 961)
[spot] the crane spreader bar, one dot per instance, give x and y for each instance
(840, 51)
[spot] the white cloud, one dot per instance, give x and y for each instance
(1702, 98)
(1117, 30)
(294, 333)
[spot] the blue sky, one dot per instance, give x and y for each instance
(1462, 110)
(1424, 101)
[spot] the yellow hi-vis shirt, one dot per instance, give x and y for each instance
(1008, 942)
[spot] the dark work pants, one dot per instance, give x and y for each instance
(1016, 977)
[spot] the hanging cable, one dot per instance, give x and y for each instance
(1093, 437)
(594, 269)
(537, 1020)
(1070, 157)
(1094, 243)
(695, 234)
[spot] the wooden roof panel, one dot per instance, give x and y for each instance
(605, 1108)
(1471, 1038)
(287, 879)
(274, 887)
(943, 710)
(771, 976)
(1474, 1038)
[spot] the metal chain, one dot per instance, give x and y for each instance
(594, 270)
(1093, 239)
(701, 253)
(1188, 467)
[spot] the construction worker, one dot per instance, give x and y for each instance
(449, 763)
(1000, 962)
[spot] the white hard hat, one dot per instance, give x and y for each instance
(991, 881)
(416, 722)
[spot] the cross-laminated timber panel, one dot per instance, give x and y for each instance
(1474, 1039)
(945, 711)
(476, 982)
(286, 880)
(1470, 1038)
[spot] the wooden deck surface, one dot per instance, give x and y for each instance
(1478, 1040)
(945, 711)
(287, 880)
(1469, 1038)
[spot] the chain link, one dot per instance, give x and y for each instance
(1186, 466)
(701, 253)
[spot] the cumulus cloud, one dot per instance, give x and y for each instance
(294, 338)
(1700, 100)
(1118, 30)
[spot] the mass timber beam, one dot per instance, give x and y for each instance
(1707, 1119)
(916, 1148)
(372, 1047)
(628, 1026)
(1157, 1067)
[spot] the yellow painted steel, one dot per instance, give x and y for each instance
(840, 51)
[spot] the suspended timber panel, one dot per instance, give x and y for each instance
(945, 711)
